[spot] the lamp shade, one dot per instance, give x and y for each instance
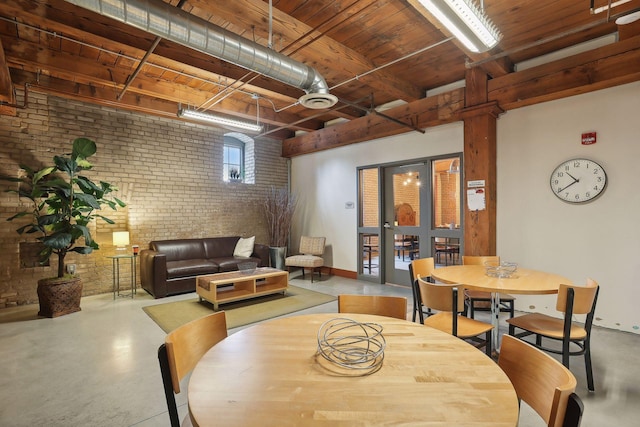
(120, 238)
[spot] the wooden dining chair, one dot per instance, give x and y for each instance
(575, 338)
(182, 349)
(381, 305)
(481, 300)
(422, 267)
(448, 300)
(575, 409)
(539, 379)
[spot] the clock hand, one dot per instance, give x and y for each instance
(574, 180)
(562, 189)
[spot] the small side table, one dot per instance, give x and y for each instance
(116, 274)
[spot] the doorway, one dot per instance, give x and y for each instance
(405, 214)
(408, 211)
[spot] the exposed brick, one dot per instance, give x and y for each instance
(168, 172)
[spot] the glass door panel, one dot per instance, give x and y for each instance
(404, 215)
(446, 204)
(446, 193)
(369, 223)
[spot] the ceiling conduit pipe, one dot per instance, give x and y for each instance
(170, 23)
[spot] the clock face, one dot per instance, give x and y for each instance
(578, 180)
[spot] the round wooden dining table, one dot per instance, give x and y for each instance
(270, 374)
(523, 281)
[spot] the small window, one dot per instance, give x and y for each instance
(239, 164)
(233, 161)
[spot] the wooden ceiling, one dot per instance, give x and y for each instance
(370, 52)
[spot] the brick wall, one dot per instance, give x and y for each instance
(169, 173)
(370, 203)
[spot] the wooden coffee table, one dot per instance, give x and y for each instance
(235, 286)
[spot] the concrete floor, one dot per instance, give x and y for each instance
(99, 367)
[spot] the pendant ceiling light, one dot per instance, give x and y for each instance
(465, 21)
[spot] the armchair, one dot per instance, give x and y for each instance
(311, 251)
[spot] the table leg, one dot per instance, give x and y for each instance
(133, 276)
(495, 320)
(113, 274)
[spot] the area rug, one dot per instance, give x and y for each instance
(173, 314)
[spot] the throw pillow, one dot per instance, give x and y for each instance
(244, 247)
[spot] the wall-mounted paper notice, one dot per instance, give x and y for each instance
(475, 199)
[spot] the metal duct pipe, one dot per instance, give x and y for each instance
(171, 23)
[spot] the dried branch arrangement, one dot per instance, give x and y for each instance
(279, 207)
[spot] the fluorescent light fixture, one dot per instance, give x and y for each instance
(466, 22)
(213, 118)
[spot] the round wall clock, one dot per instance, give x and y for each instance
(578, 180)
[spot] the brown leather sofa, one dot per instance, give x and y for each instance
(170, 267)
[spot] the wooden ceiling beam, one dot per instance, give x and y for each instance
(630, 30)
(32, 57)
(101, 95)
(74, 22)
(600, 68)
(253, 15)
(424, 113)
(131, 43)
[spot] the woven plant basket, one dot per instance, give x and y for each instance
(59, 296)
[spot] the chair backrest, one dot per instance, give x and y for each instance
(584, 297)
(187, 344)
(312, 245)
(422, 267)
(479, 260)
(575, 409)
(381, 305)
(539, 379)
(440, 296)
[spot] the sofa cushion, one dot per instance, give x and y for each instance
(177, 250)
(219, 247)
(191, 267)
(231, 263)
(244, 247)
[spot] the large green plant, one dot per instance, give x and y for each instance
(64, 202)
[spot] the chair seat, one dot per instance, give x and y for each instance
(548, 326)
(304, 261)
(467, 328)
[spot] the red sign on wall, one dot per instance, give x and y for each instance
(588, 138)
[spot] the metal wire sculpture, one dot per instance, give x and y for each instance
(352, 345)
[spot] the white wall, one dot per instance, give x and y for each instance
(327, 180)
(599, 239)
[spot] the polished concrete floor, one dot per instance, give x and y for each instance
(99, 367)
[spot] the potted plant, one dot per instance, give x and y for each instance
(63, 203)
(234, 175)
(279, 207)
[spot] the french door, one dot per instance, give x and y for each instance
(406, 216)
(406, 212)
